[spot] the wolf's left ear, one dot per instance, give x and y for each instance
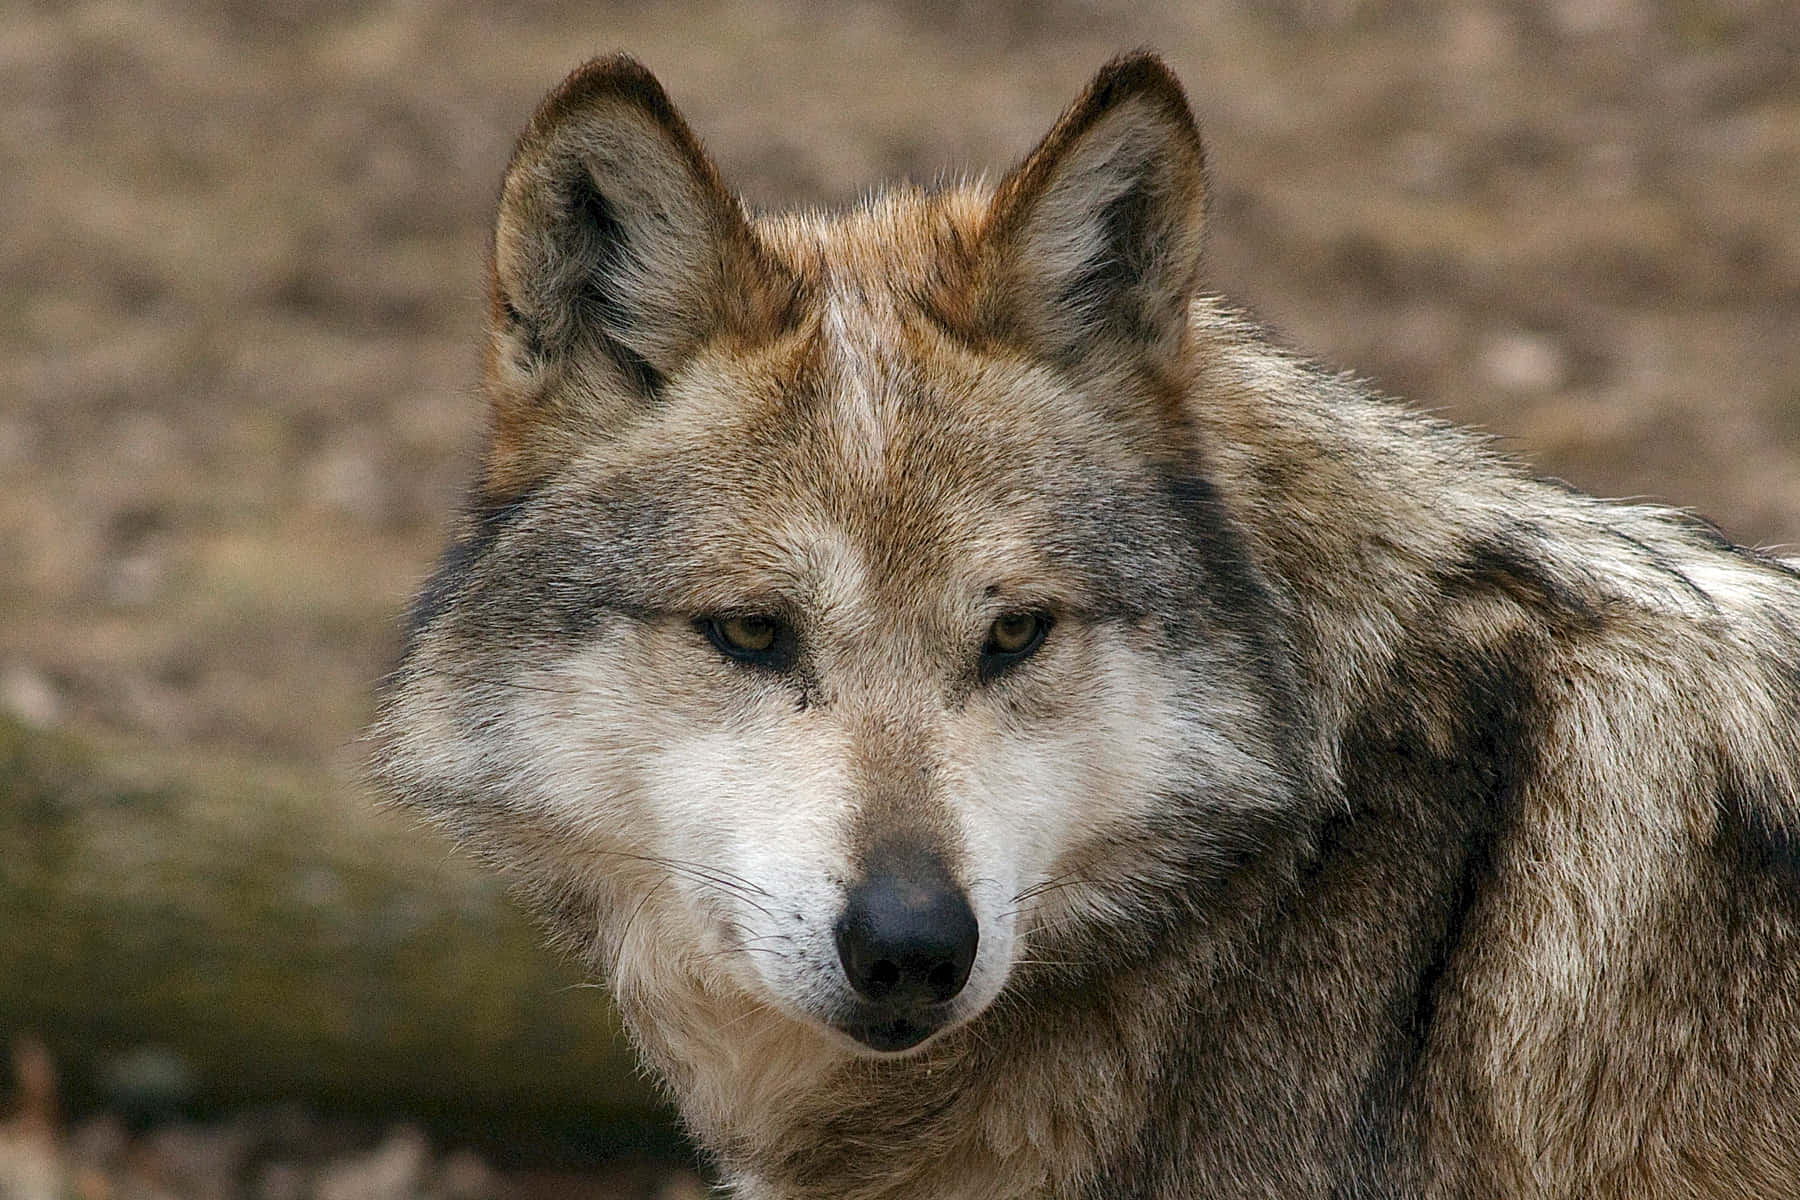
(618, 253)
(1093, 243)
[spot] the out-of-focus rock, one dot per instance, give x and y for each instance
(464, 1175)
(683, 1185)
(280, 1181)
(98, 1143)
(394, 1170)
(29, 1166)
(149, 1080)
(29, 1169)
(28, 695)
(196, 1162)
(1524, 363)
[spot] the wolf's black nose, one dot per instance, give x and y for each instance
(908, 939)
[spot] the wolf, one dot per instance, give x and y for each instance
(1005, 729)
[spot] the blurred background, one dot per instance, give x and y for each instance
(240, 297)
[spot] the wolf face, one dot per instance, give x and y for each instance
(840, 590)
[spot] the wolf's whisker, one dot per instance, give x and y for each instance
(471, 677)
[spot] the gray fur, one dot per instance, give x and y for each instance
(1468, 867)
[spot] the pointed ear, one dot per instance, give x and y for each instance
(1092, 245)
(617, 254)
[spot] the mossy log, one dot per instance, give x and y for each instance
(205, 936)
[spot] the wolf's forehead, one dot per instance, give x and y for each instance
(858, 387)
(917, 444)
(905, 476)
(866, 462)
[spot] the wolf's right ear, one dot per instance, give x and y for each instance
(617, 254)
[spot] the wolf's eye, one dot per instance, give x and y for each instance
(762, 641)
(1013, 637)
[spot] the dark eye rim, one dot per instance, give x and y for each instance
(778, 656)
(996, 662)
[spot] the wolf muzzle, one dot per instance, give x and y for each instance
(907, 940)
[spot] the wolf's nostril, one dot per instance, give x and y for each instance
(907, 939)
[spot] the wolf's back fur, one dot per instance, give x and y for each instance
(1376, 820)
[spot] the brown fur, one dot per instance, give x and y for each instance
(1404, 826)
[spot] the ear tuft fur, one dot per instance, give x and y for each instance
(1093, 243)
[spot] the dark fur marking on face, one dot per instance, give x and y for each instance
(580, 560)
(454, 565)
(1223, 554)
(1236, 590)
(898, 812)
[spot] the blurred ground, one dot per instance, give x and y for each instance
(273, 1153)
(241, 273)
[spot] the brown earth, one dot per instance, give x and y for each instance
(241, 273)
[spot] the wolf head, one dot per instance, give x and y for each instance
(844, 622)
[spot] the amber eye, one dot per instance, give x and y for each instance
(1012, 638)
(761, 640)
(749, 635)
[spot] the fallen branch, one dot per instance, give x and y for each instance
(202, 937)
